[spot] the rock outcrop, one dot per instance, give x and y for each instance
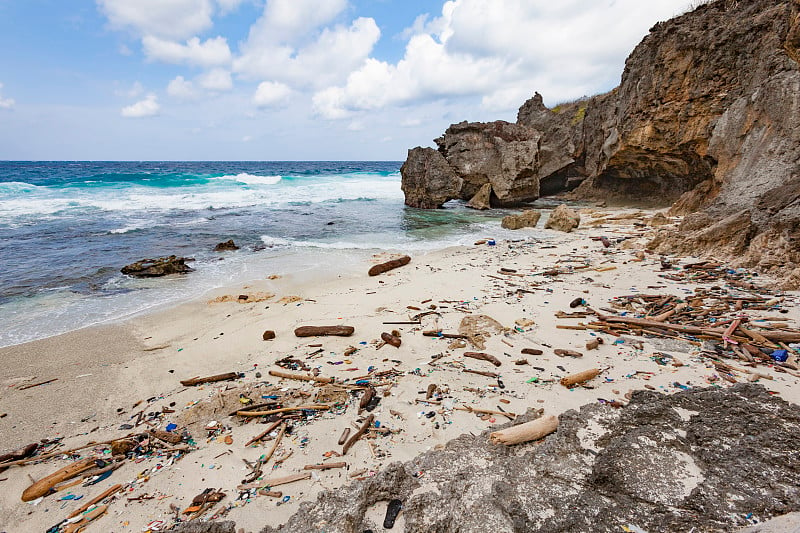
(428, 181)
(527, 219)
(153, 268)
(563, 219)
(705, 117)
(701, 460)
(226, 246)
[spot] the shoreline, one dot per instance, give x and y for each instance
(145, 357)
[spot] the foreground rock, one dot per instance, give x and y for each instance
(226, 246)
(702, 460)
(563, 219)
(153, 268)
(527, 219)
(428, 181)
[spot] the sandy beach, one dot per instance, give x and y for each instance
(106, 376)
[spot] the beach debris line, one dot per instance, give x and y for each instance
(389, 265)
(324, 331)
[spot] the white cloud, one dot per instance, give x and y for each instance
(562, 49)
(168, 19)
(216, 80)
(5, 103)
(134, 91)
(181, 88)
(227, 6)
(410, 123)
(271, 94)
(143, 108)
(209, 53)
(287, 21)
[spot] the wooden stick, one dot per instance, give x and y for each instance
(275, 444)
(324, 331)
(343, 437)
(263, 434)
(485, 411)
(62, 452)
(580, 377)
(438, 333)
(275, 481)
(43, 486)
(529, 431)
(389, 265)
(79, 526)
(480, 373)
(357, 435)
(483, 357)
(299, 377)
(210, 379)
(325, 466)
(316, 406)
(166, 436)
(775, 336)
(100, 497)
(664, 316)
(37, 384)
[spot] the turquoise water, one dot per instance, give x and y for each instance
(67, 228)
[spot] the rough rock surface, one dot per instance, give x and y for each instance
(153, 268)
(206, 527)
(428, 181)
(700, 460)
(563, 219)
(705, 116)
(482, 199)
(226, 246)
(527, 219)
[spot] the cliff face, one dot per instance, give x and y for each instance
(707, 116)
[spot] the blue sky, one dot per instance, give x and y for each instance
(292, 79)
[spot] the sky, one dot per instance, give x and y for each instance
(293, 79)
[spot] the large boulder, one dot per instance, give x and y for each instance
(226, 246)
(482, 199)
(527, 219)
(153, 268)
(427, 180)
(563, 219)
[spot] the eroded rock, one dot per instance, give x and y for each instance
(702, 460)
(427, 180)
(482, 198)
(152, 268)
(226, 246)
(527, 219)
(563, 218)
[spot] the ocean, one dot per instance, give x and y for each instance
(66, 229)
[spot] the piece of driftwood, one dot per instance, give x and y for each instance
(97, 499)
(166, 436)
(774, 336)
(438, 333)
(43, 486)
(471, 409)
(358, 434)
(37, 384)
(325, 466)
(430, 391)
(95, 513)
(593, 344)
(481, 373)
(369, 393)
(394, 340)
(483, 357)
(324, 331)
(389, 265)
(16, 455)
(532, 351)
(580, 377)
(275, 444)
(665, 315)
(299, 377)
(264, 433)
(274, 482)
(270, 493)
(343, 436)
(567, 353)
(210, 379)
(312, 407)
(527, 432)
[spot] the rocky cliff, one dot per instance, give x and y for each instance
(705, 119)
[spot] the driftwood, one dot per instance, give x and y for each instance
(774, 336)
(534, 430)
(430, 391)
(481, 373)
(325, 466)
(369, 393)
(274, 482)
(16, 455)
(483, 357)
(43, 486)
(343, 437)
(316, 406)
(438, 333)
(593, 344)
(37, 384)
(264, 433)
(275, 444)
(357, 435)
(88, 517)
(97, 499)
(299, 377)
(580, 377)
(210, 379)
(388, 338)
(389, 265)
(567, 353)
(166, 436)
(324, 331)
(63, 452)
(532, 351)
(471, 409)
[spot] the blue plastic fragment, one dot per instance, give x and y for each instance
(780, 355)
(171, 427)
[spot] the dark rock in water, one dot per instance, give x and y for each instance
(226, 246)
(428, 181)
(153, 268)
(702, 460)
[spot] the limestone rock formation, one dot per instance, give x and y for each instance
(705, 117)
(527, 219)
(428, 181)
(153, 268)
(702, 460)
(563, 219)
(226, 246)
(482, 198)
